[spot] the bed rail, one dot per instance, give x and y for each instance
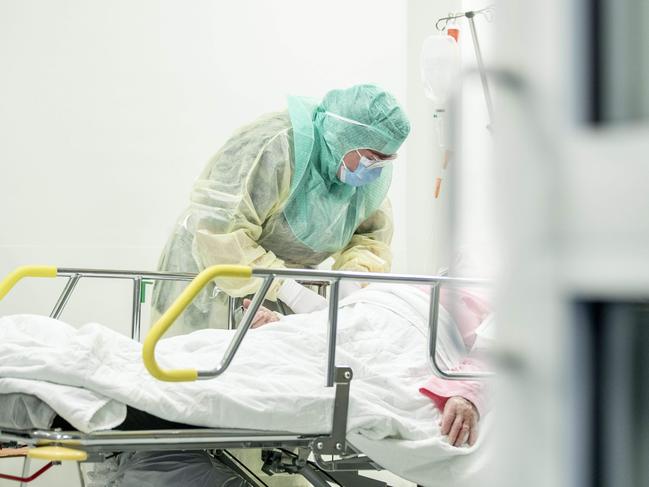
(178, 306)
(317, 277)
(338, 376)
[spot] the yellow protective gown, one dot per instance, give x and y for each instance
(235, 217)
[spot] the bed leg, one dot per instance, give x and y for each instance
(82, 482)
(336, 443)
(26, 465)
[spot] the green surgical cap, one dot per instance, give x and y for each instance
(322, 211)
(361, 117)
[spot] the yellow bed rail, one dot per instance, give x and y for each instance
(25, 271)
(167, 319)
(57, 454)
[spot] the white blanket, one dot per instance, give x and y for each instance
(275, 382)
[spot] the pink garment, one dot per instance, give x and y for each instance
(467, 308)
(441, 390)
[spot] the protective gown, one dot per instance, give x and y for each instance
(270, 198)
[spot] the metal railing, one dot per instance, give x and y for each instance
(338, 376)
(322, 279)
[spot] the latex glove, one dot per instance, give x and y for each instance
(299, 298)
(460, 421)
(263, 315)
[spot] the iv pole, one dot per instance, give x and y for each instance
(487, 11)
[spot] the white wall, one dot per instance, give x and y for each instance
(474, 217)
(434, 235)
(426, 229)
(109, 111)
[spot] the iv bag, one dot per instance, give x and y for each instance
(440, 67)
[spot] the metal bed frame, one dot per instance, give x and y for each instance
(330, 449)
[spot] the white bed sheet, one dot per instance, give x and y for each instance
(275, 382)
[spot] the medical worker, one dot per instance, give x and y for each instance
(290, 190)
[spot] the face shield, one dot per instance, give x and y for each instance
(361, 167)
(369, 157)
(353, 146)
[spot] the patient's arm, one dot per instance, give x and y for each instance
(300, 299)
(463, 398)
(442, 392)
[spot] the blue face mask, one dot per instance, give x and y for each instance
(364, 173)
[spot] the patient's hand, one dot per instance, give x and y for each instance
(263, 316)
(460, 421)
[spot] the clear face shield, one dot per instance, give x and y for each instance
(371, 158)
(361, 165)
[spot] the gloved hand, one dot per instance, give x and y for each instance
(348, 287)
(299, 298)
(263, 316)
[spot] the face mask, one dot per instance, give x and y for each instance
(364, 174)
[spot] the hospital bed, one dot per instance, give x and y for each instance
(334, 458)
